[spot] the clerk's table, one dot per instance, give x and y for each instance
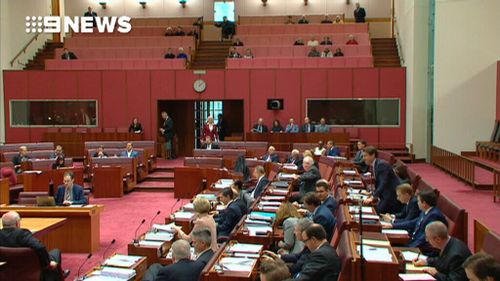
(79, 234)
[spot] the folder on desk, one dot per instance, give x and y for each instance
(159, 236)
(245, 248)
(411, 268)
(416, 277)
(395, 231)
(256, 230)
(124, 273)
(209, 197)
(349, 172)
(280, 184)
(410, 256)
(279, 191)
(237, 264)
(270, 203)
(364, 209)
(164, 227)
(183, 215)
(273, 198)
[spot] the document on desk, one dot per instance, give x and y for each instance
(256, 222)
(189, 207)
(270, 203)
(265, 216)
(122, 261)
(416, 277)
(410, 256)
(337, 157)
(375, 254)
(159, 236)
(411, 268)
(374, 242)
(76, 206)
(154, 244)
(118, 272)
(96, 276)
(273, 198)
(286, 176)
(237, 264)
(395, 231)
(183, 215)
(353, 182)
(245, 248)
(256, 230)
(209, 197)
(164, 227)
(228, 182)
(364, 209)
(367, 217)
(279, 191)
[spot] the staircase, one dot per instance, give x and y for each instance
(385, 52)
(162, 179)
(48, 52)
(211, 55)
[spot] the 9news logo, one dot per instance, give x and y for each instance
(54, 24)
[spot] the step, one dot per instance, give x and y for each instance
(155, 185)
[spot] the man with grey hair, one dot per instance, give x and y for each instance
(182, 268)
(202, 243)
(13, 236)
(453, 253)
(295, 159)
(21, 157)
(308, 179)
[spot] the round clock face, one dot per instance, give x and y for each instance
(200, 86)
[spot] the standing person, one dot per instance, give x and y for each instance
(167, 130)
(227, 28)
(210, 129)
(90, 13)
(221, 127)
(359, 13)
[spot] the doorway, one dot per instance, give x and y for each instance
(189, 117)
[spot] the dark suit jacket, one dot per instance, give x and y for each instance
(133, 154)
(274, 157)
(416, 226)
(296, 261)
(409, 211)
(335, 151)
(18, 159)
(69, 55)
(260, 187)
(78, 196)
(297, 162)
(358, 161)
(133, 128)
(331, 204)
(321, 265)
(324, 216)
(183, 270)
(308, 180)
(205, 257)
(386, 182)
(214, 146)
(241, 204)
(311, 128)
(449, 263)
(360, 15)
(228, 218)
(169, 56)
(264, 128)
(18, 237)
(168, 126)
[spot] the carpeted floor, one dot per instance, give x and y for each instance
(478, 203)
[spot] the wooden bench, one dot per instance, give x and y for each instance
(204, 162)
(142, 162)
(148, 148)
(35, 154)
(456, 216)
(228, 155)
(485, 240)
(253, 148)
(344, 149)
(128, 164)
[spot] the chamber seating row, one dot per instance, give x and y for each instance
(302, 51)
(122, 53)
(140, 31)
(289, 40)
(261, 29)
(136, 22)
(115, 64)
(246, 20)
(295, 62)
(141, 41)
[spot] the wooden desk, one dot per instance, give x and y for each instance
(4, 191)
(230, 275)
(108, 182)
(140, 268)
(42, 228)
(79, 234)
(189, 181)
(40, 181)
(285, 141)
(151, 253)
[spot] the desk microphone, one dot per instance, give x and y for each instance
(107, 248)
(172, 208)
(135, 235)
(80, 268)
(151, 222)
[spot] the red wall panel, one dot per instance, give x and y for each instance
(340, 83)
(138, 100)
(89, 86)
(365, 83)
(393, 85)
(288, 84)
(41, 85)
(114, 98)
(263, 86)
(15, 87)
(370, 135)
(237, 86)
(162, 88)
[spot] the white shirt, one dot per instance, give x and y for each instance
(313, 43)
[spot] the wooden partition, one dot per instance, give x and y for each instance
(496, 186)
(285, 141)
(454, 164)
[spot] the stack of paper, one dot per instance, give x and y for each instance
(148, 243)
(269, 208)
(273, 198)
(256, 222)
(375, 254)
(124, 273)
(349, 172)
(222, 185)
(286, 176)
(416, 277)
(237, 264)
(256, 230)
(122, 261)
(164, 227)
(410, 256)
(209, 197)
(183, 215)
(411, 268)
(227, 181)
(337, 157)
(353, 182)
(279, 191)
(96, 276)
(367, 217)
(189, 207)
(290, 166)
(270, 203)
(373, 242)
(159, 236)
(245, 248)
(364, 209)
(281, 184)
(395, 231)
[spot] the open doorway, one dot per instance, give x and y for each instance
(189, 117)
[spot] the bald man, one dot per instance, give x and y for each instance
(13, 236)
(309, 178)
(21, 157)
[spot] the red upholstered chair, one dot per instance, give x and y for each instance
(491, 244)
(457, 217)
(23, 263)
(337, 130)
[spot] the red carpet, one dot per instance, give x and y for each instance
(478, 203)
(119, 220)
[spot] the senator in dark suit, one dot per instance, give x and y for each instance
(358, 158)
(410, 209)
(409, 212)
(322, 188)
(70, 193)
(67, 55)
(359, 13)
(228, 218)
(91, 13)
(259, 173)
(271, 156)
(295, 261)
(259, 127)
(12, 236)
(386, 182)
(295, 159)
(452, 254)
(309, 178)
(167, 130)
(129, 152)
(307, 127)
(320, 214)
(323, 264)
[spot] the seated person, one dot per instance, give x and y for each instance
(13, 236)
(402, 173)
(21, 157)
(307, 127)
(323, 193)
(295, 159)
(287, 217)
(313, 42)
(100, 152)
(179, 31)
(129, 151)
(452, 254)
(323, 263)
(303, 20)
(482, 267)
(291, 127)
(299, 42)
(289, 20)
(259, 127)
(233, 54)
(58, 156)
(276, 128)
(327, 53)
(170, 54)
(243, 195)
(208, 144)
(410, 210)
(228, 218)
(273, 270)
(135, 126)
(67, 55)
(314, 53)
(358, 158)
(307, 181)
(201, 221)
(181, 269)
(319, 213)
(320, 149)
(248, 54)
(352, 40)
(259, 173)
(332, 150)
(326, 20)
(203, 245)
(182, 54)
(427, 201)
(70, 193)
(322, 127)
(326, 41)
(338, 20)
(169, 31)
(237, 42)
(338, 53)
(271, 155)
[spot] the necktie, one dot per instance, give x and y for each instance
(260, 129)
(67, 195)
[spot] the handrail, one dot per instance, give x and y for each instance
(398, 43)
(454, 164)
(23, 50)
